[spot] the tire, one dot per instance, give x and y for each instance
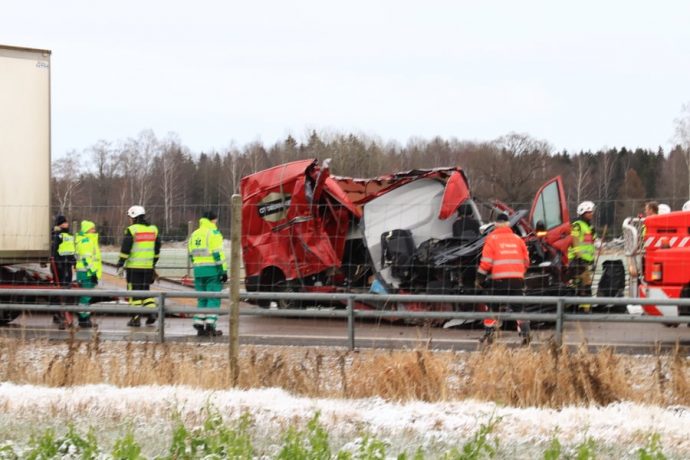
(267, 281)
(272, 279)
(285, 304)
(612, 284)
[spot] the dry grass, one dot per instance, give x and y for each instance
(552, 377)
(546, 376)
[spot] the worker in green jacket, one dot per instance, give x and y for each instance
(89, 267)
(207, 256)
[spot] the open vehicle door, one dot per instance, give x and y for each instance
(455, 193)
(550, 213)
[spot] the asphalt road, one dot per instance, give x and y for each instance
(635, 338)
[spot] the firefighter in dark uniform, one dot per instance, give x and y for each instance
(504, 261)
(139, 254)
(62, 250)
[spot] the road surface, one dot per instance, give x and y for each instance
(636, 338)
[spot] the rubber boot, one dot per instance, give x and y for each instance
(489, 336)
(134, 321)
(85, 322)
(524, 332)
(211, 330)
(200, 330)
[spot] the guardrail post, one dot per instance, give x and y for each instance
(190, 230)
(560, 307)
(350, 323)
(161, 317)
(235, 254)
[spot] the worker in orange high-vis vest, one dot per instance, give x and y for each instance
(141, 246)
(503, 264)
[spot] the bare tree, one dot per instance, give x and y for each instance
(257, 156)
(582, 176)
(169, 163)
(521, 166)
(66, 180)
(136, 159)
(682, 135)
(234, 169)
(104, 160)
(606, 168)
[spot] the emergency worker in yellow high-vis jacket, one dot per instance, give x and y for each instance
(581, 253)
(207, 256)
(89, 266)
(139, 254)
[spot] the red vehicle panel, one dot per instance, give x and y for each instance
(551, 209)
(293, 220)
(661, 256)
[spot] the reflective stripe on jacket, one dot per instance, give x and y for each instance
(66, 247)
(143, 246)
(205, 247)
(89, 254)
(582, 246)
(504, 255)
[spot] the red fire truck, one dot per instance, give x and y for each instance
(658, 251)
(416, 231)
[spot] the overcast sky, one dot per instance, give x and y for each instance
(581, 75)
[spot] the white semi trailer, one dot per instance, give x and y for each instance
(24, 168)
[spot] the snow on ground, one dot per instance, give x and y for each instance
(621, 428)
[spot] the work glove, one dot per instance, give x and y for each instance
(224, 277)
(479, 281)
(94, 279)
(121, 272)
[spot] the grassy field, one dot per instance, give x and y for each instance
(219, 438)
(125, 399)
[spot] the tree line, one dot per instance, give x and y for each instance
(175, 184)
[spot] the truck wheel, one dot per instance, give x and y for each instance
(288, 304)
(267, 281)
(272, 279)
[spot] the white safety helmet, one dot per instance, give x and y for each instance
(664, 209)
(686, 206)
(585, 206)
(136, 211)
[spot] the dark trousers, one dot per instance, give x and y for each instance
(507, 287)
(64, 273)
(140, 279)
(581, 273)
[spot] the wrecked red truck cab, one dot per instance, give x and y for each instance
(416, 231)
(294, 223)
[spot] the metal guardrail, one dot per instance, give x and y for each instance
(559, 317)
(160, 310)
